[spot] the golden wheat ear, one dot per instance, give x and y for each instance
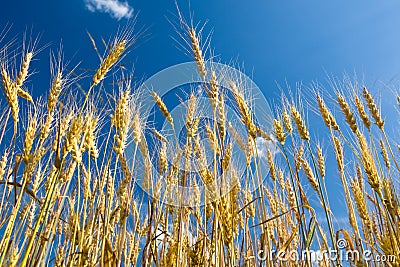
(121, 120)
(198, 54)
(23, 74)
(361, 112)
(300, 124)
(112, 57)
(369, 164)
(30, 135)
(10, 90)
(279, 133)
(25, 95)
(115, 52)
(373, 108)
(350, 118)
(212, 140)
(55, 91)
(287, 121)
(326, 115)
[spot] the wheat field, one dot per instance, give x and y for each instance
(85, 182)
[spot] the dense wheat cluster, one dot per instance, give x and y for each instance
(73, 194)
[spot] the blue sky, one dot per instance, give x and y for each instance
(278, 41)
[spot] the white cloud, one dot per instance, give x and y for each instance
(115, 8)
